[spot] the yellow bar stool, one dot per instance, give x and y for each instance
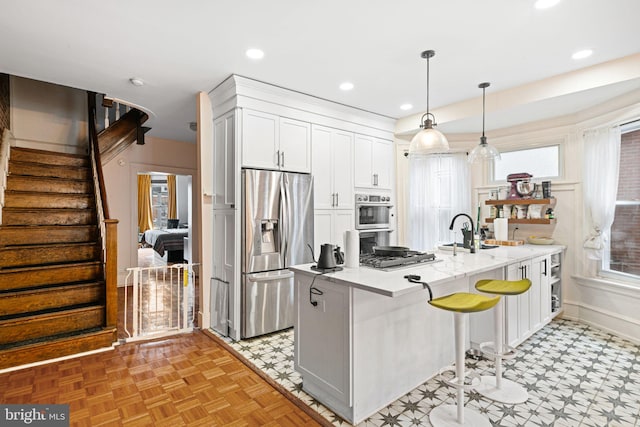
(495, 387)
(461, 304)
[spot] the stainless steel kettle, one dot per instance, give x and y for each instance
(327, 257)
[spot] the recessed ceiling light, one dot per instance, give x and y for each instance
(581, 54)
(545, 4)
(406, 107)
(346, 86)
(255, 53)
(136, 81)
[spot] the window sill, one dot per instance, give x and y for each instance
(609, 285)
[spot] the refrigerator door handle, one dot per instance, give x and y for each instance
(284, 220)
(269, 277)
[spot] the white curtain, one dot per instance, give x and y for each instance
(439, 188)
(601, 165)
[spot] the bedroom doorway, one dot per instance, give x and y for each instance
(164, 231)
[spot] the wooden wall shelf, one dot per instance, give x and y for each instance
(526, 220)
(550, 201)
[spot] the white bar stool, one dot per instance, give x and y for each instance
(495, 387)
(461, 304)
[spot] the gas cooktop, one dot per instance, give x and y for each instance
(393, 262)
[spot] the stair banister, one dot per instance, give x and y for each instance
(108, 226)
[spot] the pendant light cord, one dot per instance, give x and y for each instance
(484, 89)
(427, 84)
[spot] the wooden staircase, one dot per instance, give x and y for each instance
(52, 280)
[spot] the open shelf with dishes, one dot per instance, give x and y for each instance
(551, 202)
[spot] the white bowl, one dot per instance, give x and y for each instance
(539, 240)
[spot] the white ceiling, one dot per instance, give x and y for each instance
(181, 48)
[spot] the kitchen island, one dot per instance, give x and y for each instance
(365, 337)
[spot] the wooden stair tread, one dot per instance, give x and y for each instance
(48, 165)
(58, 347)
(48, 267)
(48, 246)
(46, 152)
(32, 155)
(48, 200)
(16, 235)
(24, 328)
(20, 301)
(53, 185)
(54, 253)
(46, 275)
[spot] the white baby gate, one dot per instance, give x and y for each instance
(162, 301)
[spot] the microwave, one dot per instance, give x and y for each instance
(373, 212)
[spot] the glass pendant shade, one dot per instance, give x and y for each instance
(483, 151)
(428, 141)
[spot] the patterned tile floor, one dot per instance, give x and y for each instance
(576, 375)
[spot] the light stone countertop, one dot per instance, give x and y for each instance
(446, 268)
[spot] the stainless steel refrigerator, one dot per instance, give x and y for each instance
(277, 214)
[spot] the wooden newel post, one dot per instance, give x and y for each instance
(111, 271)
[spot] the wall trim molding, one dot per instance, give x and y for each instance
(608, 321)
(601, 284)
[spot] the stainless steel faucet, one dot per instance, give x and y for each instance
(472, 247)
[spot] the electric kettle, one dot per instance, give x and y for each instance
(327, 258)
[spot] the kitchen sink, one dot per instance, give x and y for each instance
(449, 246)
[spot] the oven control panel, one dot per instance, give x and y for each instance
(372, 198)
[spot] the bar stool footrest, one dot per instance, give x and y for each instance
(488, 348)
(448, 376)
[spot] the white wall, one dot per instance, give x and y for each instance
(48, 117)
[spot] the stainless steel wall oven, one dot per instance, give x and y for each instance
(373, 212)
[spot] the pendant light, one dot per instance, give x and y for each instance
(428, 140)
(483, 151)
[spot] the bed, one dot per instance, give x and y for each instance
(169, 240)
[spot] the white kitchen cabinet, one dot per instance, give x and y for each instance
(224, 279)
(526, 313)
(324, 362)
(373, 158)
(329, 226)
(224, 132)
(273, 142)
(540, 298)
(518, 326)
(332, 168)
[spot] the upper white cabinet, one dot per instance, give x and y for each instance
(373, 162)
(224, 161)
(273, 142)
(332, 168)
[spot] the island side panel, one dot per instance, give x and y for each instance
(322, 342)
(399, 343)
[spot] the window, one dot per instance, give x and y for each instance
(439, 188)
(623, 254)
(541, 162)
(159, 202)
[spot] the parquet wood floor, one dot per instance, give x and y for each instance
(187, 380)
